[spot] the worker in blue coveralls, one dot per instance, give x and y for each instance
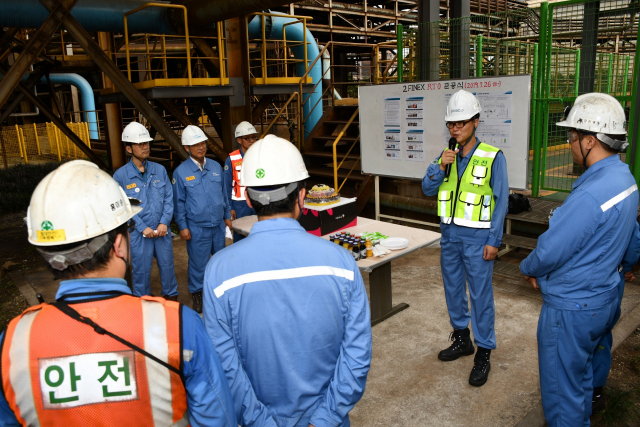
(472, 204)
(96, 327)
(200, 208)
(292, 326)
(148, 182)
(246, 135)
(602, 357)
(576, 262)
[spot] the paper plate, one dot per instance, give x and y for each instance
(394, 243)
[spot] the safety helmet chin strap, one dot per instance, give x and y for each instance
(584, 156)
(470, 137)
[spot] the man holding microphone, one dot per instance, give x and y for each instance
(472, 204)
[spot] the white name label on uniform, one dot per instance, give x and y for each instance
(67, 382)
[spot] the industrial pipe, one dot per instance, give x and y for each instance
(93, 15)
(86, 95)
(98, 15)
(295, 33)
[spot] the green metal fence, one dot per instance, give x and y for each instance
(569, 48)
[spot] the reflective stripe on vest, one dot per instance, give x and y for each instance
(237, 191)
(468, 202)
(83, 378)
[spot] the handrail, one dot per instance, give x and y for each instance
(294, 94)
(335, 153)
(186, 34)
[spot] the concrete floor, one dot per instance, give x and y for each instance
(407, 384)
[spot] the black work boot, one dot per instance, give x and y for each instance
(462, 346)
(481, 367)
(197, 302)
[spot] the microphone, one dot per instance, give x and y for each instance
(452, 146)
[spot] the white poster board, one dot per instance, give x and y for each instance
(402, 125)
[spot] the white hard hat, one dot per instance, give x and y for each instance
(76, 202)
(244, 129)
(462, 105)
(192, 135)
(135, 133)
(601, 114)
(272, 161)
(596, 112)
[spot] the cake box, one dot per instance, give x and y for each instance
(322, 220)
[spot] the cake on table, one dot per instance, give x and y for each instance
(321, 195)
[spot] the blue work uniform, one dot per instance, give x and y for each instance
(462, 249)
(602, 357)
(154, 191)
(576, 265)
(208, 396)
(240, 206)
(200, 206)
(289, 316)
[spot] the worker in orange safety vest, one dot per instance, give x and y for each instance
(99, 355)
(246, 135)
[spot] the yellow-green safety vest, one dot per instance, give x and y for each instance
(469, 201)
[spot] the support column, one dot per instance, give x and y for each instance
(239, 105)
(460, 34)
(111, 113)
(589, 47)
(428, 39)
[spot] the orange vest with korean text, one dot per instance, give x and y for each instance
(57, 371)
(237, 191)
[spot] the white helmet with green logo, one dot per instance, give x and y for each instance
(74, 203)
(271, 162)
(462, 106)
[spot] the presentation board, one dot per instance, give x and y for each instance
(402, 127)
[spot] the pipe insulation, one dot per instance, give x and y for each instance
(87, 99)
(100, 15)
(93, 15)
(86, 96)
(312, 108)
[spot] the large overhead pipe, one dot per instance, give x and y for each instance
(100, 15)
(93, 15)
(205, 12)
(273, 30)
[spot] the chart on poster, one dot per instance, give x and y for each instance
(402, 125)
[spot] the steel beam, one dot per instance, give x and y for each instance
(33, 49)
(428, 39)
(460, 35)
(58, 122)
(117, 77)
(186, 120)
(5, 42)
(31, 81)
(589, 48)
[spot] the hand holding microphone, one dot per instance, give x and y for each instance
(448, 157)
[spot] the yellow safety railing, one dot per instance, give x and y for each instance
(40, 142)
(336, 166)
(272, 64)
(297, 119)
(160, 48)
(389, 64)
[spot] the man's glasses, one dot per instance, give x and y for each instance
(458, 125)
(250, 138)
(132, 225)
